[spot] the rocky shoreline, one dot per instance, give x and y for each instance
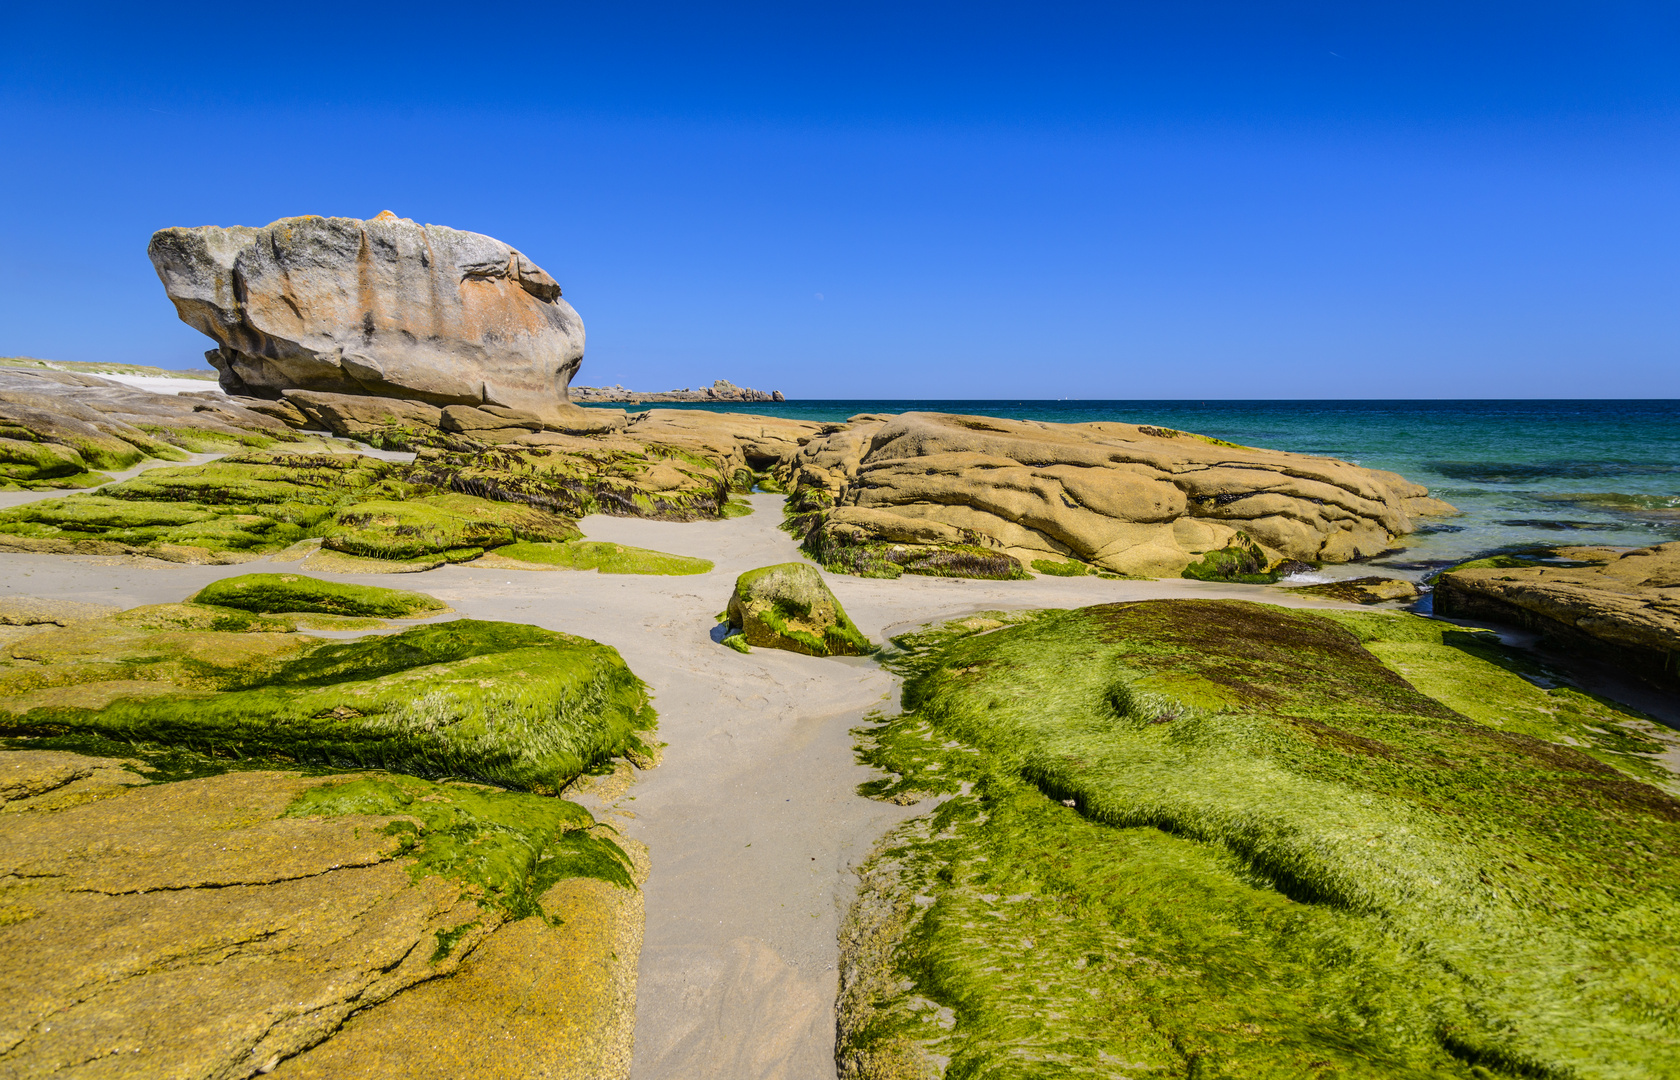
(1130, 791)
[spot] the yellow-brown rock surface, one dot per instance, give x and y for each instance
(1628, 602)
(195, 929)
(1132, 499)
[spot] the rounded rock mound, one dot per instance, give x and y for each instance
(788, 606)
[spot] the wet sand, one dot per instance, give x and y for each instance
(752, 819)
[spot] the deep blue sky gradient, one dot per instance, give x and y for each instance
(1160, 200)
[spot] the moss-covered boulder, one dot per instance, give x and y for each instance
(1216, 838)
(789, 606)
(251, 922)
(503, 703)
(1240, 561)
(272, 593)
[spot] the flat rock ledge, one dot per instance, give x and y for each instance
(1623, 607)
(192, 929)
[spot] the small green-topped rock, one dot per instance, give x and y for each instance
(270, 593)
(788, 606)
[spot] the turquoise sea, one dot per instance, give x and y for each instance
(1523, 472)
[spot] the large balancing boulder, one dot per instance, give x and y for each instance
(788, 606)
(385, 307)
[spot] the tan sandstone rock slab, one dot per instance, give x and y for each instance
(1624, 605)
(189, 929)
(1132, 499)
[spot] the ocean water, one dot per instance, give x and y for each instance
(1524, 473)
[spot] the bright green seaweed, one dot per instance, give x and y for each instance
(270, 593)
(1219, 839)
(605, 557)
(508, 847)
(503, 703)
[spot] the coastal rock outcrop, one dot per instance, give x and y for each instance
(1126, 498)
(789, 606)
(59, 429)
(1623, 606)
(384, 308)
(270, 922)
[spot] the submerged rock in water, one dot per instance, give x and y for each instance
(1621, 605)
(789, 606)
(1131, 499)
(383, 308)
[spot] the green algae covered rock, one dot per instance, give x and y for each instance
(503, 703)
(789, 606)
(439, 525)
(1217, 838)
(220, 924)
(604, 557)
(271, 593)
(1242, 561)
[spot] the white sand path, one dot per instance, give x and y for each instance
(752, 820)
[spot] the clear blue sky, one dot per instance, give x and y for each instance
(1147, 200)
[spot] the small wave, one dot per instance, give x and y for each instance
(1306, 577)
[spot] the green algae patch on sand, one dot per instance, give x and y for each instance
(1067, 568)
(789, 606)
(1222, 839)
(502, 703)
(272, 593)
(606, 557)
(506, 848)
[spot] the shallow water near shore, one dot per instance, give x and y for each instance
(1525, 473)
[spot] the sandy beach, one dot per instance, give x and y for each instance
(752, 819)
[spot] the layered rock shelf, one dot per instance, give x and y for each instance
(1623, 606)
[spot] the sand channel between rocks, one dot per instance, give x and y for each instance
(752, 821)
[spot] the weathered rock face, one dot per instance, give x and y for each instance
(229, 925)
(384, 307)
(1624, 606)
(788, 606)
(1136, 500)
